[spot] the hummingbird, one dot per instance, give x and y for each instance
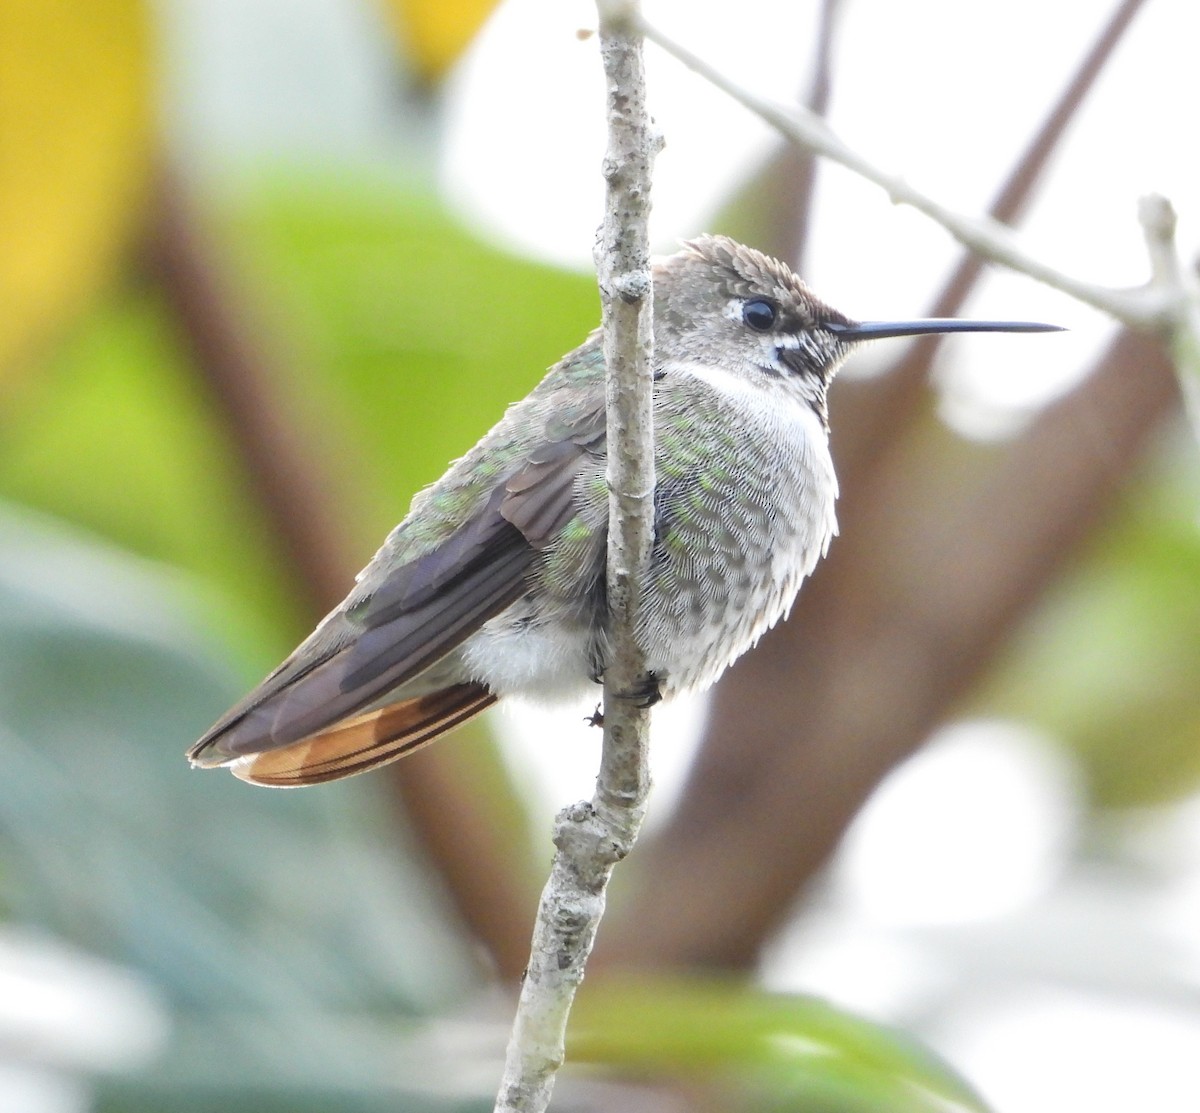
(494, 584)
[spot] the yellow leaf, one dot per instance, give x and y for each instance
(436, 32)
(75, 151)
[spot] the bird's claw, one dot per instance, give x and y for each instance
(645, 695)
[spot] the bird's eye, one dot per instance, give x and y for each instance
(760, 314)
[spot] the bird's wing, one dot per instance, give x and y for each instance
(405, 615)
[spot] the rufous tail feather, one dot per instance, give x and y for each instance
(366, 741)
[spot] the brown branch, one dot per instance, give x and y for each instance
(781, 194)
(294, 494)
(300, 503)
(482, 859)
(877, 653)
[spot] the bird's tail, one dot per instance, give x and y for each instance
(370, 739)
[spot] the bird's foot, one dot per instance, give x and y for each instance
(645, 695)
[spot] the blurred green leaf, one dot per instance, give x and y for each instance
(403, 338)
(411, 335)
(119, 438)
(793, 1052)
(291, 935)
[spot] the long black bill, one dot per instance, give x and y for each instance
(877, 330)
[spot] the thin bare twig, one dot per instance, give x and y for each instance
(591, 837)
(1153, 307)
(871, 422)
(1167, 272)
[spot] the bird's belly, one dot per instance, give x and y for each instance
(724, 575)
(531, 651)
